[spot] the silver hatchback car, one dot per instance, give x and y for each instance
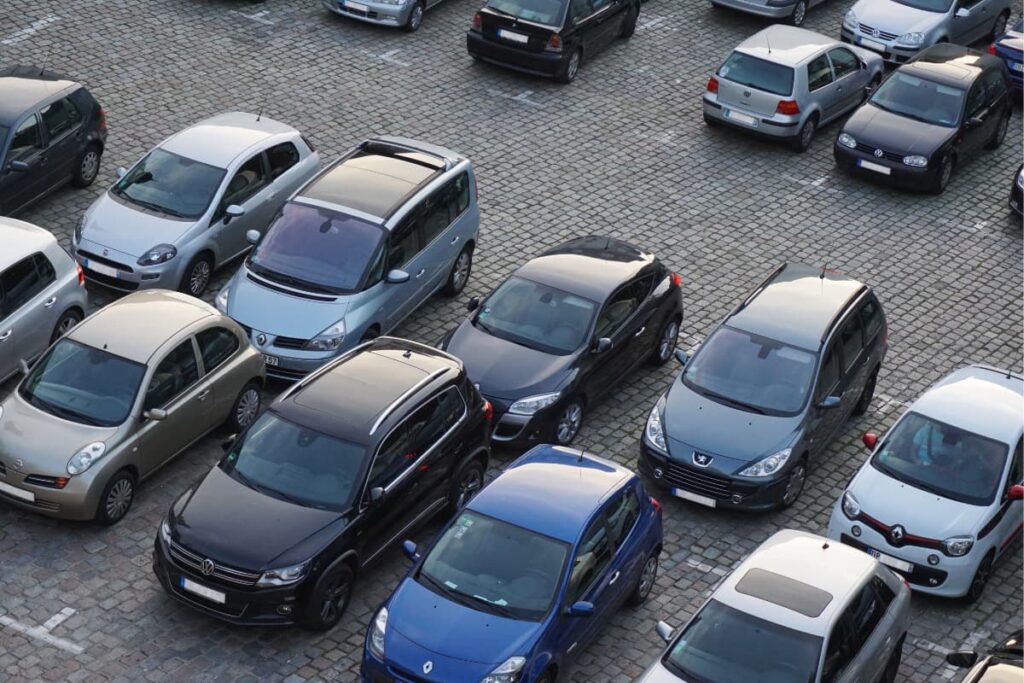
(406, 14)
(184, 208)
(786, 82)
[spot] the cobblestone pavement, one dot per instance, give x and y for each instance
(621, 151)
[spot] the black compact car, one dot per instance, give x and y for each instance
(549, 37)
(767, 391)
(1003, 664)
(562, 331)
(1017, 192)
(52, 131)
(341, 465)
(928, 117)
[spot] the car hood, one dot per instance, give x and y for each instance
(504, 369)
(886, 130)
(21, 429)
(266, 310)
(892, 17)
(659, 674)
(129, 229)
(229, 521)
(453, 631)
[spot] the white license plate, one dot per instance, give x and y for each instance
(17, 493)
(872, 45)
(513, 36)
(1016, 66)
(199, 589)
(100, 268)
(358, 6)
(890, 561)
(742, 118)
(872, 166)
(270, 360)
(694, 498)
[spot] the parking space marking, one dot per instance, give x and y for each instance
(647, 22)
(43, 634)
(257, 17)
(388, 56)
(707, 568)
(30, 30)
(522, 98)
(58, 619)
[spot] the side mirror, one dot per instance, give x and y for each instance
(1016, 492)
(581, 609)
(963, 658)
(682, 357)
(227, 443)
(974, 122)
(870, 440)
(252, 236)
(963, 13)
(233, 211)
(18, 166)
(409, 548)
(23, 366)
(664, 630)
(473, 304)
(829, 402)
(376, 495)
(121, 172)
(602, 345)
(397, 277)
(155, 414)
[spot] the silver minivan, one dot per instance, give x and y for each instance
(786, 82)
(42, 293)
(184, 209)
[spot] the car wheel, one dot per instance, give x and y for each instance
(1000, 134)
(197, 275)
(570, 67)
(667, 340)
(943, 175)
(459, 275)
(569, 422)
(892, 667)
(87, 167)
(803, 139)
(415, 19)
(370, 334)
(713, 123)
(629, 23)
(116, 499)
(69, 319)
(799, 12)
(246, 408)
(864, 402)
(645, 582)
(999, 26)
(794, 484)
(468, 483)
(329, 599)
(980, 580)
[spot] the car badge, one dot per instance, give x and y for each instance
(701, 459)
(875, 32)
(207, 567)
(428, 666)
(746, 93)
(896, 534)
(106, 252)
(18, 464)
(261, 339)
(879, 153)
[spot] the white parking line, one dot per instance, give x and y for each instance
(257, 17)
(707, 568)
(649, 21)
(43, 632)
(522, 98)
(388, 56)
(58, 619)
(31, 30)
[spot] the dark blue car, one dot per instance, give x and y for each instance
(523, 577)
(1009, 47)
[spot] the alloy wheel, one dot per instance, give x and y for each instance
(119, 499)
(417, 17)
(795, 484)
(569, 423)
(67, 323)
(574, 65)
(647, 576)
(807, 134)
(471, 482)
(199, 278)
(668, 340)
(248, 406)
(980, 579)
(461, 274)
(90, 165)
(334, 596)
(799, 12)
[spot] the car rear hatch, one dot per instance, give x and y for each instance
(513, 31)
(753, 84)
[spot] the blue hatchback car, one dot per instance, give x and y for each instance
(523, 577)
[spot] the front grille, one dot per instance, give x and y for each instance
(285, 373)
(697, 481)
(189, 560)
(908, 538)
(870, 31)
(289, 343)
(41, 480)
(112, 282)
(3, 470)
(869, 149)
(105, 261)
(919, 574)
(356, 12)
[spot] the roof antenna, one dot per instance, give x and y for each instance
(824, 268)
(767, 42)
(262, 105)
(582, 452)
(824, 546)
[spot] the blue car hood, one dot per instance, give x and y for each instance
(276, 313)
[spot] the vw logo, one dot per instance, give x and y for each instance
(875, 32)
(106, 252)
(701, 460)
(896, 534)
(261, 339)
(428, 666)
(18, 464)
(207, 567)
(746, 93)
(879, 153)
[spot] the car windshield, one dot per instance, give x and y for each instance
(547, 12)
(751, 372)
(170, 184)
(723, 645)
(940, 6)
(82, 384)
(317, 249)
(536, 316)
(757, 73)
(942, 459)
(920, 99)
(495, 567)
(293, 463)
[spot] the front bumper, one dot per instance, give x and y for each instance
(761, 9)
(539, 63)
(120, 271)
(853, 160)
(285, 359)
(404, 664)
(887, 48)
(1017, 199)
(522, 431)
(774, 126)
(78, 500)
(374, 13)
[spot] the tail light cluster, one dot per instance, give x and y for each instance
(788, 107)
(488, 411)
(655, 503)
(477, 22)
(712, 84)
(308, 144)
(677, 279)
(81, 274)
(103, 120)
(555, 43)
(992, 49)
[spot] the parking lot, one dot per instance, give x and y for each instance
(622, 151)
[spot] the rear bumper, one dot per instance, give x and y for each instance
(776, 126)
(379, 14)
(899, 174)
(538, 63)
(760, 9)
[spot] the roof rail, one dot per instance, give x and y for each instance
(405, 396)
(395, 145)
(852, 301)
(757, 290)
(323, 369)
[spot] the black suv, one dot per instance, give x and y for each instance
(341, 465)
(51, 131)
(767, 391)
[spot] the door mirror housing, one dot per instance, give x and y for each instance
(963, 13)
(231, 212)
(664, 630)
(252, 236)
(409, 548)
(682, 357)
(602, 345)
(227, 443)
(397, 277)
(829, 402)
(974, 122)
(121, 172)
(473, 304)
(23, 366)
(870, 440)
(155, 414)
(376, 495)
(581, 609)
(18, 166)
(963, 658)
(1016, 492)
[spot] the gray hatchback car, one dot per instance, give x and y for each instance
(406, 14)
(785, 83)
(354, 251)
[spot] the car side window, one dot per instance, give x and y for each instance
(844, 62)
(438, 215)
(871, 318)
(977, 99)
(851, 337)
(20, 283)
(995, 84)
(580, 9)
(592, 558)
(404, 243)
(461, 193)
(376, 273)
(1017, 466)
(281, 158)
(600, 4)
(401, 447)
(622, 515)
(26, 140)
(867, 611)
(448, 409)
(47, 273)
(60, 117)
(176, 372)
(621, 305)
(819, 73)
(828, 375)
(216, 345)
(247, 181)
(839, 650)
(883, 593)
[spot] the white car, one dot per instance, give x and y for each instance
(800, 608)
(939, 500)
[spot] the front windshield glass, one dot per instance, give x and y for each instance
(317, 249)
(547, 12)
(750, 372)
(170, 184)
(942, 459)
(940, 6)
(723, 645)
(302, 466)
(920, 99)
(82, 384)
(536, 316)
(495, 567)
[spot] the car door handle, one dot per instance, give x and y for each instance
(455, 240)
(202, 395)
(5, 335)
(420, 274)
(51, 302)
(640, 331)
(615, 577)
(839, 88)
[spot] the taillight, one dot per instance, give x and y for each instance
(81, 274)
(788, 107)
(488, 411)
(656, 504)
(308, 144)
(677, 279)
(555, 42)
(992, 49)
(103, 120)
(712, 84)
(477, 22)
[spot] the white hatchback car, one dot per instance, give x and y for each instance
(939, 500)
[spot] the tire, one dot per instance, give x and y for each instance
(415, 20)
(942, 177)
(67, 320)
(892, 667)
(1000, 133)
(794, 484)
(371, 333)
(571, 67)
(197, 275)
(864, 402)
(246, 408)
(799, 13)
(668, 337)
(645, 582)
(467, 484)
(802, 141)
(546, 677)
(999, 26)
(981, 576)
(460, 272)
(629, 23)
(570, 420)
(87, 166)
(116, 499)
(329, 599)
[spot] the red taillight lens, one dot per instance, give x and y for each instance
(677, 279)
(656, 504)
(103, 120)
(488, 411)
(477, 22)
(712, 84)
(788, 107)
(308, 144)
(81, 274)
(992, 49)
(555, 42)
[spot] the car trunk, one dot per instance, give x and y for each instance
(747, 97)
(514, 32)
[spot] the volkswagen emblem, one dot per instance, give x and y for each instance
(428, 666)
(896, 534)
(879, 153)
(875, 32)
(106, 252)
(18, 464)
(701, 459)
(207, 567)
(746, 93)
(261, 339)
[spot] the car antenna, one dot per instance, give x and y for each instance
(828, 258)
(582, 452)
(767, 42)
(262, 105)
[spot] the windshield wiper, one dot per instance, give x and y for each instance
(450, 593)
(721, 398)
(63, 412)
(289, 279)
(908, 480)
(151, 206)
(500, 610)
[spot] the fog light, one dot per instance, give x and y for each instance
(658, 474)
(151, 276)
(855, 529)
(736, 499)
(933, 560)
(284, 610)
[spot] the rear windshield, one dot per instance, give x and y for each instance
(757, 73)
(540, 11)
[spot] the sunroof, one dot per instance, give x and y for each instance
(785, 592)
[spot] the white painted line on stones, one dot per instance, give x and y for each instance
(930, 646)
(651, 21)
(257, 17)
(388, 56)
(42, 633)
(707, 568)
(58, 619)
(522, 98)
(31, 30)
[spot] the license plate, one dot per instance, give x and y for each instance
(201, 590)
(17, 493)
(270, 360)
(514, 37)
(358, 6)
(1016, 66)
(872, 45)
(100, 268)
(694, 498)
(872, 166)
(742, 118)
(890, 561)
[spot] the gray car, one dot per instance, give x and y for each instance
(405, 14)
(785, 82)
(184, 209)
(793, 11)
(42, 293)
(899, 29)
(355, 251)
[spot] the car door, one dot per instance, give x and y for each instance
(27, 146)
(978, 124)
(439, 251)
(217, 345)
(590, 574)
(587, 24)
(604, 369)
(823, 421)
(868, 625)
(405, 253)
(29, 313)
(250, 189)
(976, 24)
(62, 124)
(821, 87)
(854, 370)
(1009, 525)
(849, 78)
(609, 21)
(623, 513)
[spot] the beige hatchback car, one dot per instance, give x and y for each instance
(117, 397)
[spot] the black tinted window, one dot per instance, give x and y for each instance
(402, 446)
(170, 183)
(1017, 466)
(866, 611)
(438, 215)
(828, 376)
(977, 98)
(621, 305)
(622, 515)
(60, 117)
(175, 373)
(844, 62)
(852, 340)
(405, 242)
(461, 193)
(839, 651)
(819, 73)
(871, 316)
(26, 141)
(592, 558)
(45, 269)
(281, 158)
(445, 411)
(757, 73)
(996, 85)
(540, 11)
(883, 593)
(216, 345)
(19, 283)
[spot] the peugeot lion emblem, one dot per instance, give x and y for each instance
(897, 533)
(261, 339)
(428, 666)
(207, 567)
(18, 464)
(879, 153)
(106, 252)
(701, 460)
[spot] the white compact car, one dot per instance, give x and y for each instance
(939, 500)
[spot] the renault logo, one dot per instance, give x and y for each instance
(207, 567)
(896, 534)
(18, 464)
(428, 666)
(261, 339)
(879, 153)
(701, 460)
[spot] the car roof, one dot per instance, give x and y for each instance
(24, 87)
(796, 305)
(137, 325)
(810, 565)
(950, 64)
(366, 386)
(221, 139)
(21, 239)
(551, 490)
(979, 398)
(592, 267)
(787, 45)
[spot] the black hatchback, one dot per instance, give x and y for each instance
(52, 131)
(353, 457)
(549, 37)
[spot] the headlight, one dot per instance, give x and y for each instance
(958, 546)
(507, 672)
(161, 253)
(328, 340)
(83, 459)
(847, 140)
(390, 2)
(221, 300)
(655, 431)
(377, 630)
(768, 466)
(850, 21)
(165, 531)
(79, 228)
(851, 508)
(284, 576)
(916, 160)
(531, 404)
(1020, 180)
(912, 39)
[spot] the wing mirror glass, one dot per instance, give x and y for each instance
(962, 658)
(376, 495)
(602, 345)
(829, 402)
(252, 236)
(664, 630)
(397, 277)
(409, 548)
(870, 440)
(19, 166)
(473, 304)
(121, 172)
(974, 122)
(155, 414)
(581, 609)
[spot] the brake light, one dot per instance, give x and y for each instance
(992, 49)
(477, 22)
(308, 144)
(555, 42)
(488, 411)
(712, 84)
(788, 107)
(656, 504)
(103, 120)
(677, 279)
(81, 274)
